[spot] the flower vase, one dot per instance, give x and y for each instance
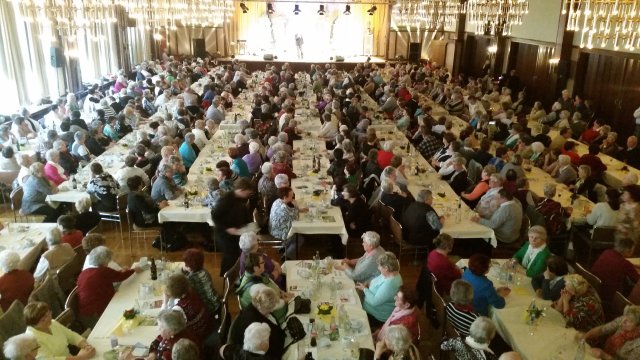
(533, 325)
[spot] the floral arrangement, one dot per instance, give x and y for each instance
(533, 313)
(325, 308)
(130, 314)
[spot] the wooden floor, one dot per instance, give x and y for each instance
(122, 255)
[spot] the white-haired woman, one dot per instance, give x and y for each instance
(53, 170)
(476, 345)
(9, 289)
(86, 219)
(386, 153)
(255, 346)
(72, 104)
(185, 349)
(172, 326)
(58, 254)
(564, 172)
(253, 159)
(249, 245)
(379, 294)
(21, 347)
(330, 127)
(398, 344)
(25, 161)
(364, 268)
(95, 285)
(35, 191)
(533, 255)
(263, 301)
(622, 336)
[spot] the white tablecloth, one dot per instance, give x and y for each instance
(550, 340)
(352, 304)
(26, 239)
(125, 298)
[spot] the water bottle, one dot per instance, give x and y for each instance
(580, 351)
(74, 182)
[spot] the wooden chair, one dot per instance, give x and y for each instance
(6, 181)
(601, 239)
(16, 203)
(68, 273)
(396, 233)
(617, 306)
(140, 231)
(439, 306)
(12, 322)
(70, 312)
(593, 280)
(225, 323)
(230, 277)
(49, 291)
(117, 216)
(381, 214)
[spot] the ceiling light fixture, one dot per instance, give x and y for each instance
(270, 8)
(347, 10)
(372, 10)
(321, 10)
(296, 9)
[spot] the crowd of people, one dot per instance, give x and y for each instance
(174, 123)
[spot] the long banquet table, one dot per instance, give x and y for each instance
(26, 239)
(550, 339)
(299, 283)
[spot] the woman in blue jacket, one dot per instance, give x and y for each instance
(484, 294)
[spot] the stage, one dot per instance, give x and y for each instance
(257, 62)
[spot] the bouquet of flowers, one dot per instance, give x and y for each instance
(130, 314)
(325, 308)
(533, 313)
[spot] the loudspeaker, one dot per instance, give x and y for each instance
(199, 49)
(57, 58)
(267, 57)
(414, 52)
(339, 58)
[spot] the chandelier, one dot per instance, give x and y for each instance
(496, 17)
(603, 20)
(426, 14)
(69, 16)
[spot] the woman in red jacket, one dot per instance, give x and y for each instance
(405, 314)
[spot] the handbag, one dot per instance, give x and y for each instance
(301, 306)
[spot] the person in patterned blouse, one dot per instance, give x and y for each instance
(200, 279)
(103, 188)
(579, 304)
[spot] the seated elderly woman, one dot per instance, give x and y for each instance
(533, 255)
(405, 314)
(459, 310)
(178, 295)
(12, 276)
(79, 149)
(280, 165)
(254, 274)
(284, 211)
(552, 211)
(379, 294)
(187, 150)
(397, 201)
(385, 154)
(249, 245)
(549, 284)
(255, 345)
(86, 219)
(397, 343)
(58, 254)
(213, 193)
(53, 338)
(35, 191)
(25, 162)
(52, 169)
(263, 301)
(480, 188)
(622, 336)
(172, 326)
(95, 285)
(253, 159)
(579, 304)
(439, 264)
(91, 242)
(103, 189)
(476, 345)
(238, 165)
(185, 349)
(563, 172)
(200, 279)
(484, 294)
(585, 183)
(21, 347)
(364, 268)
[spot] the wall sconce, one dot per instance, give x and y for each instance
(244, 8)
(321, 10)
(270, 8)
(492, 50)
(296, 9)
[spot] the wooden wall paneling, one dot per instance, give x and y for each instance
(531, 63)
(602, 84)
(402, 44)
(475, 54)
(437, 51)
(220, 42)
(629, 98)
(391, 46)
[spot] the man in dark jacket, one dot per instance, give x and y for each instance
(420, 221)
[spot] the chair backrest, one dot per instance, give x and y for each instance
(616, 308)
(7, 176)
(12, 322)
(601, 192)
(225, 323)
(16, 198)
(535, 218)
(593, 280)
(122, 201)
(438, 305)
(474, 171)
(68, 273)
(396, 230)
(49, 291)
(230, 277)
(603, 235)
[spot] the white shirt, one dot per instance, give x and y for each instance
(201, 138)
(531, 254)
(127, 172)
(602, 215)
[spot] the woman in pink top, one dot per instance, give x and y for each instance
(439, 265)
(52, 170)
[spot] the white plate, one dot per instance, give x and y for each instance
(304, 273)
(356, 324)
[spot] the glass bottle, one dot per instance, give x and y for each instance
(153, 269)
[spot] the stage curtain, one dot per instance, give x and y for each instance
(243, 25)
(12, 63)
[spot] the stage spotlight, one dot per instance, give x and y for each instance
(321, 10)
(372, 10)
(347, 10)
(270, 8)
(244, 8)
(296, 9)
